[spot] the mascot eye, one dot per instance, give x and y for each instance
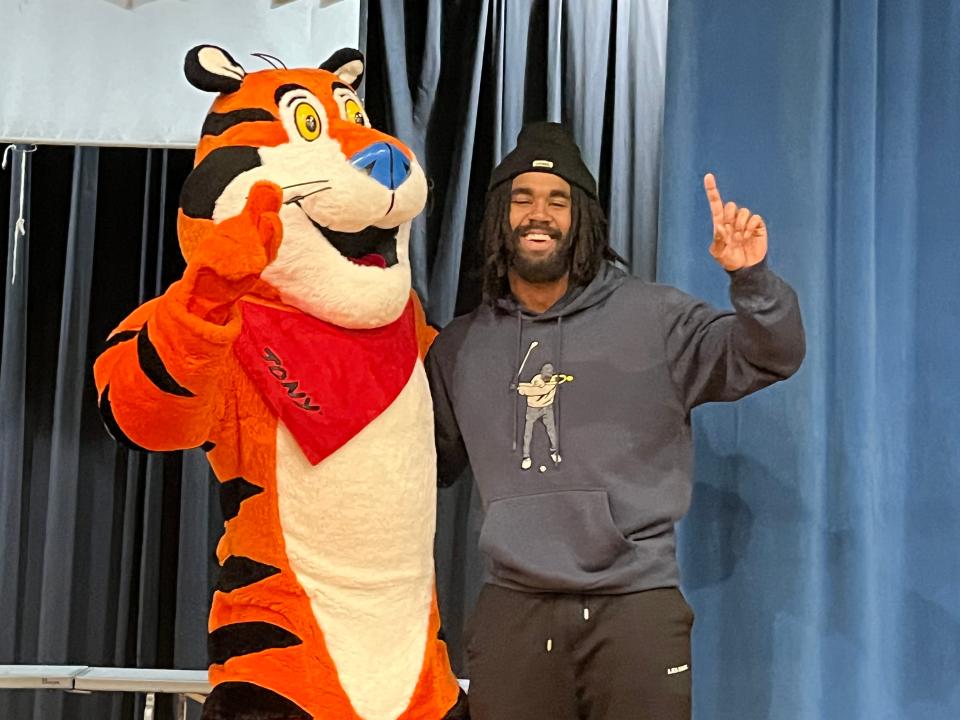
(308, 122)
(354, 112)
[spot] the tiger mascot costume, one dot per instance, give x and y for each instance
(291, 351)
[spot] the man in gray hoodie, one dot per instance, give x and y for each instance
(582, 617)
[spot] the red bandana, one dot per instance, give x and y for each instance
(326, 383)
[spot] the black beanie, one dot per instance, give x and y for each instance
(545, 147)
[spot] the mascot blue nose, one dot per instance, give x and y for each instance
(384, 162)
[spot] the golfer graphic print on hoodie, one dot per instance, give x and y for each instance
(540, 393)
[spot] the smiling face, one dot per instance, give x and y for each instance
(540, 217)
(349, 191)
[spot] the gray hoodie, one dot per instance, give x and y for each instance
(576, 421)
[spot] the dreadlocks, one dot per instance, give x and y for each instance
(589, 244)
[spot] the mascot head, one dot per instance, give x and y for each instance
(349, 191)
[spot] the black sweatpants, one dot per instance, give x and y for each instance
(548, 656)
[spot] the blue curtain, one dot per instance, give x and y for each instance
(822, 550)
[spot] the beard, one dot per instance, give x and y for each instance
(549, 268)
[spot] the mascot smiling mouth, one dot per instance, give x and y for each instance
(372, 246)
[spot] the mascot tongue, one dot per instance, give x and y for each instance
(375, 259)
(371, 246)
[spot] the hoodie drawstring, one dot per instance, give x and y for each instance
(513, 387)
(556, 451)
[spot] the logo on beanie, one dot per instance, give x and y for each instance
(542, 163)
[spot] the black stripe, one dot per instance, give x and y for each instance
(245, 638)
(153, 367)
(208, 446)
(106, 414)
(204, 186)
(284, 89)
(219, 123)
(247, 701)
(118, 338)
(233, 492)
(237, 572)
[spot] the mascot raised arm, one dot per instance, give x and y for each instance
(291, 350)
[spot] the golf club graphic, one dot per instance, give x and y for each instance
(513, 385)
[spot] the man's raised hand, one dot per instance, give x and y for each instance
(739, 237)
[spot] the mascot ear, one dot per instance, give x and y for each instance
(347, 64)
(211, 69)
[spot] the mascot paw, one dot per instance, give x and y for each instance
(263, 204)
(228, 262)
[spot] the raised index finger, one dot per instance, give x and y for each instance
(713, 197)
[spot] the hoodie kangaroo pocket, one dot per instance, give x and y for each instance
(563, 540)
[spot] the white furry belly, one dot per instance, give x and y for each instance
(359, 532)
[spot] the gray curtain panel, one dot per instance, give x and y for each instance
(459, 79)
(13, 368)
(60, 550)
(107, 553)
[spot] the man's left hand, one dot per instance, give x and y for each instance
(739, 237)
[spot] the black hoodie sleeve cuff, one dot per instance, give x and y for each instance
(749, 272)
